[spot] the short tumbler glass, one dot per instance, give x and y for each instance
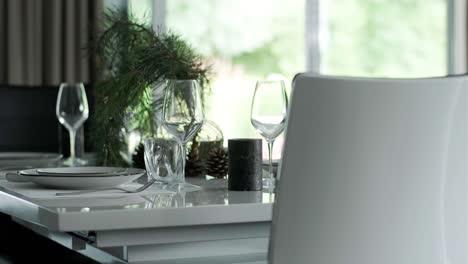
(162, 159)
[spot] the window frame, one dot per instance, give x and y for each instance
(456, 36)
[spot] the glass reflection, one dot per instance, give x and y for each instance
(214, 192)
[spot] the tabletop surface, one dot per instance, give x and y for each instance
(214, 204)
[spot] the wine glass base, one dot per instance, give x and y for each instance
(269, 184)
(74, 162)
(183, 187)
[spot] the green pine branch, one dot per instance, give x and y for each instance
(133, 59)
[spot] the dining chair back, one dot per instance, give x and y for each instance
(373, 171)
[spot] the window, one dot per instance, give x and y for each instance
(373, 38)
(244, 41)
(141, 10)
(249, 40)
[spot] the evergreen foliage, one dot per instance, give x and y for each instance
(134, 59)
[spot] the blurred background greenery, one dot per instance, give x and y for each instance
(248, 40)
(378, 38)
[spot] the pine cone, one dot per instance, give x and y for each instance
(194, 165)
(217, 164)
(138, 157)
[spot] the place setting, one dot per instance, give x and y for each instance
(77, 178)
(49, 175)
(43, 170)
(53, 183)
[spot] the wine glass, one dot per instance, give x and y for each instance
(72, 111)
(182, 117)
(268, 117)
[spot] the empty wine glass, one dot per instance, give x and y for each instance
(268, 117)
(72, 111)
(182, 117)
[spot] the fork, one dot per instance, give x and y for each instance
(140, 189)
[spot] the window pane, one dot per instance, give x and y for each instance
(245, 41)
(405, 38)
(140, 10)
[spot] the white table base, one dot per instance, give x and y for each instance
(207, 227)
(223, 243)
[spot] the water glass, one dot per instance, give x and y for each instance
(163, 159)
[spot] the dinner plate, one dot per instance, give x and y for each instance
(28, 159)
(82, 171)
(79, 182)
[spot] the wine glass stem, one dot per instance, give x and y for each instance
(270, 159)
(72, 144)
(183, 160)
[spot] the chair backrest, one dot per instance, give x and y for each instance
(373, 171)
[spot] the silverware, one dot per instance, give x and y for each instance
(140, 189)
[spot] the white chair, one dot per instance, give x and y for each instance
(374, 172)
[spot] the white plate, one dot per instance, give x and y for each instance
(75, 182)
(82, 171)
(28, 159)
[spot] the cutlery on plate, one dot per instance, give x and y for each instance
(140, 189)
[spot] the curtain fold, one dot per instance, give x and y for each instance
(42, 41)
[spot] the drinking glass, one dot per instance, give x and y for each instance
(162, 159)
(182, 117)
(268, 117)
(72, 111)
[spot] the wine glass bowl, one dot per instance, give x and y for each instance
(268, 116)
(269, 127)
(72, 111)
(183, 117)
(183, 130)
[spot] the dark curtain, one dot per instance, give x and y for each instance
(42, 41)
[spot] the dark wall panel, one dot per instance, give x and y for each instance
(28, 121)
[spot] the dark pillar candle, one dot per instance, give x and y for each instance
(245, 164)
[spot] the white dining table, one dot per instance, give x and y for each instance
(213, 225)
